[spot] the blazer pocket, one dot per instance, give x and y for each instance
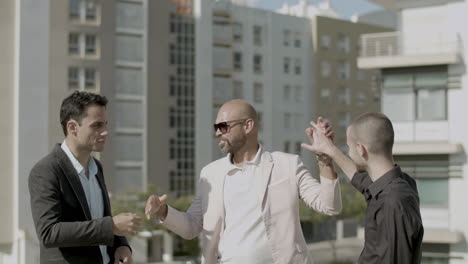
(279, 196)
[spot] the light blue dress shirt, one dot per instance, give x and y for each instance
(92, 191)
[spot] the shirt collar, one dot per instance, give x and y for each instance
(92, 167)
(376, 187)
(255, 161)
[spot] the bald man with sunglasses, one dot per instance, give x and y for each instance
(247, 205)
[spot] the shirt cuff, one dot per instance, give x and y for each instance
(170, 213)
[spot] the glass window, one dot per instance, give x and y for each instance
(286, 62)
(325, 68)
(297, 40)
(260, 120)
(129, 48)
(297, 66)
(257, 60)
(398, 80)
(433, 192)
(73, 78)
(237, 60)
(286, 146)
(73, 43)
(130, 15)
(258, 93)
(298, 148)
(90, 10)
(129, 81)
(325, 41)
(399, 104)
(237, 32)
(74, 9)
(257, 35)
(431, 104)
(415, 96)
(343, 95)
(128, 147)
(343, 70)
(129, 114)
(343, 43)
(361, 98)
(90, 78)
(286, 37)
(431, 79)
(90, 44)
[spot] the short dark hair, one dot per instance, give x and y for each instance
(75, 105)
(377, 130)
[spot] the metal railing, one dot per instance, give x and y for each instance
(394, 44)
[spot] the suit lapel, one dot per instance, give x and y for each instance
(73, 179)
(267, 166)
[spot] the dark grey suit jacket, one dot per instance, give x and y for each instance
(62, 217)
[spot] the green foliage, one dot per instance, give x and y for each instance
(354, 206)
(135, 202)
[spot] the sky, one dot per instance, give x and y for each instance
(346, 8)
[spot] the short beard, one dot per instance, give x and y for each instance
(234, 146)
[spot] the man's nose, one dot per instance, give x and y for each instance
(217, 133)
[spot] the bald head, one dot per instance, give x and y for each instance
(236, 109)
(375, 131)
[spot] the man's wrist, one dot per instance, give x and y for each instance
(334, 152)
(323, 160)
(162, 213)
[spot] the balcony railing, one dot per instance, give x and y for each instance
(394, 44)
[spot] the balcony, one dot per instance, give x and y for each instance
(423, 137)
(392, 50)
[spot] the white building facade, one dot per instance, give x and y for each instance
(424, 90)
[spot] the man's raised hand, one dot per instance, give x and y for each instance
(156, 205)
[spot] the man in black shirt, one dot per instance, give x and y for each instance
(393, 226)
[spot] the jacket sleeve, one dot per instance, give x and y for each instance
(187, 224)
(324, 196)
(46, 205)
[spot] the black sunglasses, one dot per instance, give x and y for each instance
(224, 127)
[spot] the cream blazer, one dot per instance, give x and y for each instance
(285, 180)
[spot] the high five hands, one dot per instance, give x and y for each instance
(320, 135)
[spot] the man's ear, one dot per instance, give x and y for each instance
(249, 125)
(362, 151)
(72, 127)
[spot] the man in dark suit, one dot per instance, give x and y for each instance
(69, 201)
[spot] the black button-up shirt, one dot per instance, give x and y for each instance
(393, 226)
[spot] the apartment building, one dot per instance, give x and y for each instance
(340, 90)
(257, 55)
(424, 90)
